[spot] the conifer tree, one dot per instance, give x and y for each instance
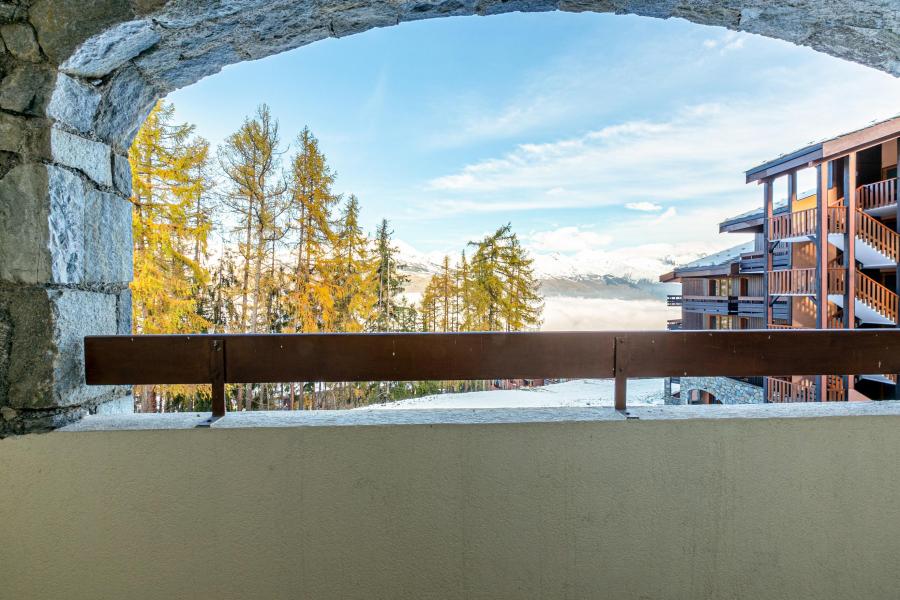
(170, 226)
(352, 272)
(311, 200)
(390, 312)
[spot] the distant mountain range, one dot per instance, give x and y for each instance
(571, 277)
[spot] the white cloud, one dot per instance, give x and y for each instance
(697, 155)
(731, 40)
(567, 239)
(643, 206)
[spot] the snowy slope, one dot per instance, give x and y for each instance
(577, 392)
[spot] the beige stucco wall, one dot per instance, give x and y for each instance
(693, 509)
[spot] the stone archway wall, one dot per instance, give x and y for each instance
(78, 78)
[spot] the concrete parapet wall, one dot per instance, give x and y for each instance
(669, 508)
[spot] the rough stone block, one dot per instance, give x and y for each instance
(122, 174)
(25, 136)
(24, 225)
(5, 354)
(90, 157)
(20, 40)
(107, 238)
(127, 101)
(101, 54)
(123, 312)
(66, 223)
(62, 25)
(73, 103)
(77, 314)
(27, 89)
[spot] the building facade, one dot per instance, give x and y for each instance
(824, 259)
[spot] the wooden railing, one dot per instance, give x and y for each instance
(878, 297)
(795, 224)
(792, 282)
(871, 230)
(674, 300)
(781, 390)
(868, 291)
(877, 195)
(834, 389)
(221, 359)
(878, 235)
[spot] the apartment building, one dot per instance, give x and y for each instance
(825, 259)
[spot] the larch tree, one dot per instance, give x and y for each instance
(250, 161)
(354, 287)
(311, 200)
(170, 225)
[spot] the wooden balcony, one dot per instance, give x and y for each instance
(869, 292)
(792, 282)
(877, 195)
(674, 300)
(793, 225)
(780, 390)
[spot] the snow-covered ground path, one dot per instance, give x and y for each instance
(577, 392)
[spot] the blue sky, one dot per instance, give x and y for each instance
(602, 138)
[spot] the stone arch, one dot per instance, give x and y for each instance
(80, 77)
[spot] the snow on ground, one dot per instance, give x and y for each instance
(577, 393)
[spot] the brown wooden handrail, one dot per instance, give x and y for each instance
(879, 297)
(878, 235)
(877, 195)
(796, 224)
(792, 282)
(221, 359)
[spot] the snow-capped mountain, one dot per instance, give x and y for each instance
(627, 274)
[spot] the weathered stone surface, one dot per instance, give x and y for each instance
(24, 225)
(20, 40)
(66, 222)
(77, 314)
(5, 352)
(123, 312)
(127, 100)
(122, 174)
(725, 389)
(27, 89)
(74, 103)
(25, 136)
(91, 158)
(62, 25)
(107, 238)
(105, 51)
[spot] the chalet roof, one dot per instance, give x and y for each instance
(815, 151)
(725, 257)
(719, 263)
(754, 217)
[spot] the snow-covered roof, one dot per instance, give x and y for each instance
(813, 146)
(777, 207)
(727, 256)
